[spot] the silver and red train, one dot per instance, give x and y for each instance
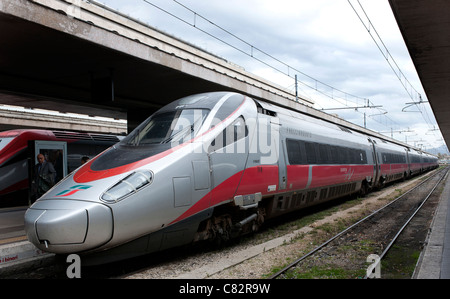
(210, 166)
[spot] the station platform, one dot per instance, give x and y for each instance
(11, 224)
(16, 253)
(434, 262)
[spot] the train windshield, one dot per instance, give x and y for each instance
(4, 142)
(176, 127)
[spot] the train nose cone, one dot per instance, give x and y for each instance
(60, 226)
(67, 226)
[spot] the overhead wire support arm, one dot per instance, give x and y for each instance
(356, 107)
(413, 104)
(397, 131)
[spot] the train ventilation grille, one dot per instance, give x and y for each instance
(85, 136)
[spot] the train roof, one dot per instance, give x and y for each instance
(59, 135)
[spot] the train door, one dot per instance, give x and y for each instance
(376, 164)
(54, 152)
(228, 154)
(277, 145)
(408, 162)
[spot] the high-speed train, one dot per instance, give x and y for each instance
(209, 166)
(18, 149)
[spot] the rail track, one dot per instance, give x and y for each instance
(384, 225)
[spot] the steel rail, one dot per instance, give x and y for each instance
(294, 263)
(388, 247)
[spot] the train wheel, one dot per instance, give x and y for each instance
(364, 189)
(220, 230)
(382, 183)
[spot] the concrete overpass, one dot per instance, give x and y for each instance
(77, 56)
(425, 26)
(19, 118)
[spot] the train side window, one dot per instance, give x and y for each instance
(348, 156)
(353, 158)
(334, 154)
(302, 152)
(18, 157)
(323, 153)
(293, 151)
(341, 155)
(296, 152)
(310, 153)
(363, 157)
(301, 145)
(358, 156)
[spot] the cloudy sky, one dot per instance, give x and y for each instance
(323, 42)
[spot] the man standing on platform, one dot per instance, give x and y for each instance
(44, 177)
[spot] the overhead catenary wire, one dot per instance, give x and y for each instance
(318, 86)
(248, 49)
(253, 48)
(409, 88)
(412, 92)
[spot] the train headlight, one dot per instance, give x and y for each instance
(129, 185)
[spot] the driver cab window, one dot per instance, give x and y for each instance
(235, 131)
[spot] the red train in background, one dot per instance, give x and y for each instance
(19, 148)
